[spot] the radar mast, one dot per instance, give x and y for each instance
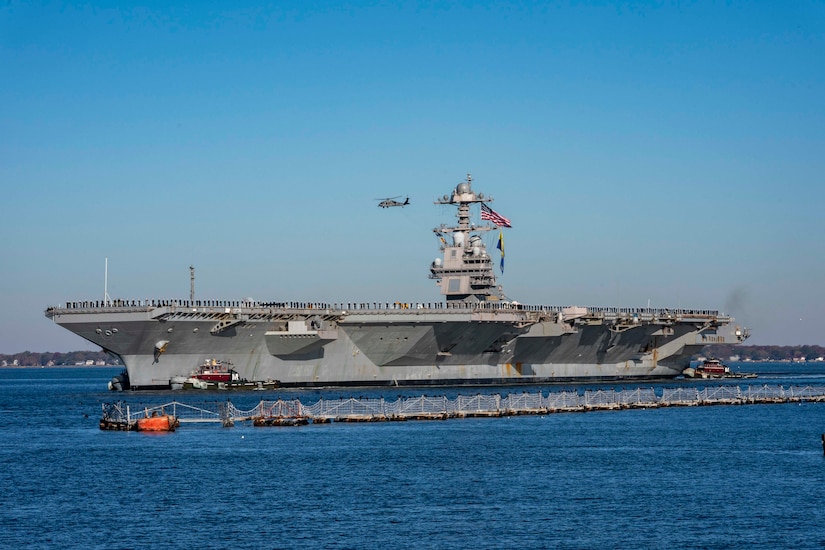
(465, 271)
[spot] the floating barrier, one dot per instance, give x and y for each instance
(292, 412)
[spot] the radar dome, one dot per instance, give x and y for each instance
(462, 188)
(437, 262)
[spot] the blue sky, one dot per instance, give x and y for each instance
(662, 153)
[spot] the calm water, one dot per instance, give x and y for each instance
(707, 477)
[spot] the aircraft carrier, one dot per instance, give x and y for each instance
(474, 336)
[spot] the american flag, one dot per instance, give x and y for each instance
(489, 214)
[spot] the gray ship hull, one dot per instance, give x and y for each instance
(311, 345)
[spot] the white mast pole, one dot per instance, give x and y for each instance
(106, 283)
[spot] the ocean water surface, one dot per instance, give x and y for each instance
(698, 477)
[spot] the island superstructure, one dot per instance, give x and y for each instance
(475, 336)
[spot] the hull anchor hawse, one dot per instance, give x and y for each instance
(474, 336)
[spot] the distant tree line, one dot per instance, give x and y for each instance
(764, 353)
(72, 358)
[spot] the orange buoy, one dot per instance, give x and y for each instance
(162, 423)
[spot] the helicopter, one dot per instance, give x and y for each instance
(388, 202)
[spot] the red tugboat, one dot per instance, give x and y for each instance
(714, 368)
(213, 370)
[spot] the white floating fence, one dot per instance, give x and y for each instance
(292, 411)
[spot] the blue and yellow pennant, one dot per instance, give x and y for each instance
(500, 246)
